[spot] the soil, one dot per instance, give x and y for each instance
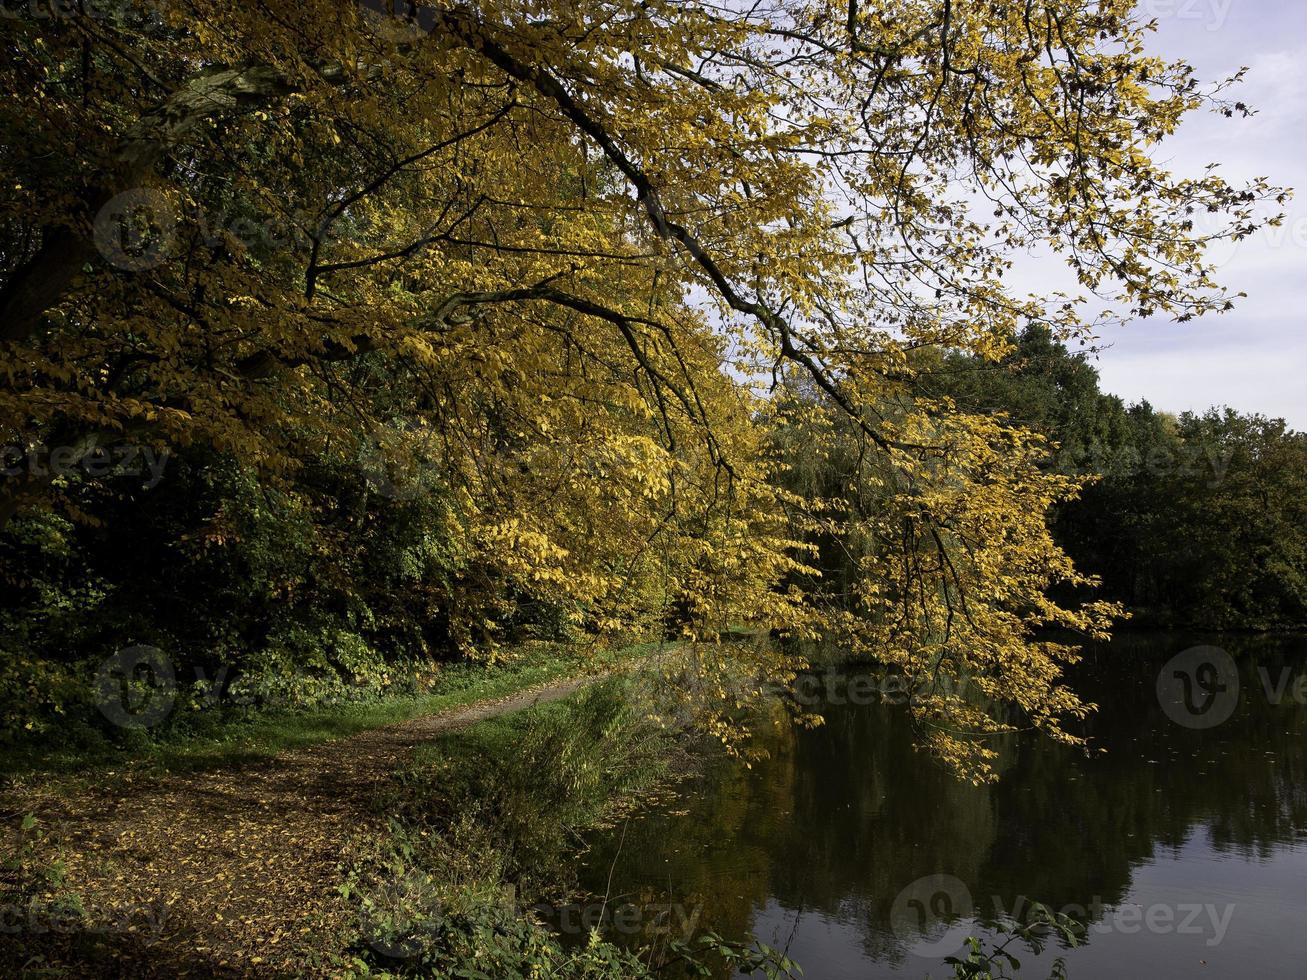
(227, 872)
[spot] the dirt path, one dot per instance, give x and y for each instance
(232, 871)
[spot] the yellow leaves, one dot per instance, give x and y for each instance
(524, 549)
(951, 563)
(545, 256)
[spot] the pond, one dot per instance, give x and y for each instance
(1182, 844)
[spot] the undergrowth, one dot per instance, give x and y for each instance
(484, 828)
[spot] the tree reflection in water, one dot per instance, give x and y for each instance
(813, 845)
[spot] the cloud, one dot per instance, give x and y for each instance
(1254, 358)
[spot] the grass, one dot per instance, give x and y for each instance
(485, 825)
(540, 776)
(221, 740)
(485, 821)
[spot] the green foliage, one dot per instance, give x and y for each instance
(261, 594)
(28, 881)
(699, 956)
(413, 934)
(1197, 520)
(231, 733)
(1036, 928)
(528, 784)
(465, 933)
(482, 830)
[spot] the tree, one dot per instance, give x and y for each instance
(1193, 520)
(553, 225)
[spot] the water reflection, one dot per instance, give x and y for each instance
(1185, 848)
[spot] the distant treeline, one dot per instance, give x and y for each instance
(1197, 520)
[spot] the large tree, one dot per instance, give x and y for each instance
(587, 238)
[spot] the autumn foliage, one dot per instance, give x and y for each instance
(552, 305)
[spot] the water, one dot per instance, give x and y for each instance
(1183, 846)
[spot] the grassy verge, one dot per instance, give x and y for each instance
(485, 826)
(227, 737)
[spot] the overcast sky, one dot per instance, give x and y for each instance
(1253, 358)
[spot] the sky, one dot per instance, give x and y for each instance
(1253, 358)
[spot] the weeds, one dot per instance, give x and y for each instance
(484, 827)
